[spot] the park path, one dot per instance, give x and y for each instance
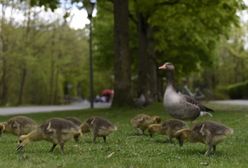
(86, 105)
(51, 108)
(231, 102)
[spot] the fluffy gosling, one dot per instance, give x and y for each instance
(169, 128)
(18, 125)
(100, 127)
(77, 122)
(55, 130)
(141, 122)
(208, 132)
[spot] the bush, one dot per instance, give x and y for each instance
(238, 90)
(220, 93)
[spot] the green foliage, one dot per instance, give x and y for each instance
(123, 149)
(230, 66)
(103, 36)
(50, 56)
(52, 4)
(188, 32)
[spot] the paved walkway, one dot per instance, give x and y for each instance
(85, 105)
(231, 102)
(37, 109)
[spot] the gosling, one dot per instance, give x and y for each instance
(100, 127)
(85, 128)
(18, 125)
(55, 130)
(169, 128)
(209, 132)
(77, 122)
(141, 122)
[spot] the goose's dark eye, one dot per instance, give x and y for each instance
(20, 141)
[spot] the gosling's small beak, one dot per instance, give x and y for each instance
(19, 147)
(162, 67)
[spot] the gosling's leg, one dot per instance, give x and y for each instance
(143, 132)
(170, 140)
(214, 148)
(180, 141)
(139, 131)
(94, 138)
(52, 148)
(76, 138)
(104, 138)
(210, 147)
(62, 148)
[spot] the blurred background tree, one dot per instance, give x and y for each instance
(40, 63)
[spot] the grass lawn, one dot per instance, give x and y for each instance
(124, 150)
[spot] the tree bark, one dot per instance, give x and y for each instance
(22, 84)
(23, 69)
(142, 55)
(3, 61)
(122, 64)
(147, 77)
(4, 86)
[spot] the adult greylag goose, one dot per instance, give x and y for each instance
(178, 105)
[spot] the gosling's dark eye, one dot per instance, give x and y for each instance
(20, 141)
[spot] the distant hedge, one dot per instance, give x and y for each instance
(238, 90)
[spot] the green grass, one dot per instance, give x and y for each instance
(129, 151)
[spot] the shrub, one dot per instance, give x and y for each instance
(238, 90)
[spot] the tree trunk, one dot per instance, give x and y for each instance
(122, 64)
(52, 70)
(4, 68)
(147, 77)
(153, 68)
(27, 41)
(22, 85)
(56, 82)
(51, 87)
(143, 56)
(4, 86)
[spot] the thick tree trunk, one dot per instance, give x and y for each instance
(4, 86)
(153, 68)
(122, 81)
(147, 77)
(143, 56)
(3, 61)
